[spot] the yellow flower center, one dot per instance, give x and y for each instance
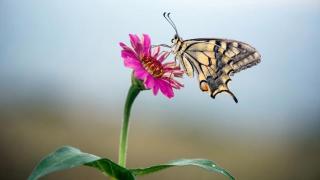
(153, 66)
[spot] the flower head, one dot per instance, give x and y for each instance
(148, 66)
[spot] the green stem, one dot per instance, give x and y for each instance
(132, 94)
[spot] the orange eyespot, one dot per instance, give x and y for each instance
(204, 86)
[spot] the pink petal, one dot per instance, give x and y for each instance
(136, 43)
(155, 52)
(166, 89)
(146, 44)
(175, 84)
(124, 46)
(128, 53)
(132, 63)
(171, 74)
(149, 81)
(163, 56)
(155, 89)
(140, 74)
(171, 65)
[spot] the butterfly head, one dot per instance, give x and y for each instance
(176, 39)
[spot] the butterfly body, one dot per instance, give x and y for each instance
(213, 60)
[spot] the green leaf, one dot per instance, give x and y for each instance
(68, 157)
(112, 169)
(202, 163)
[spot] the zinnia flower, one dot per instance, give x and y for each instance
(148, 66)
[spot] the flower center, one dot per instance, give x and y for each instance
(153, 66)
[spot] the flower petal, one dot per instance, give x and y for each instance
(132, 63)
(166, 89)
(163, 56)
(149, 83)
(155, 52)
(146, 44)
(124, 46)
(136, 43)
(175, 84)
(140, 73)
(128, 53)
(155, 89)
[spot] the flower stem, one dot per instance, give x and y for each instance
(132, 94)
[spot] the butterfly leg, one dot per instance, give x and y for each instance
(160, 45)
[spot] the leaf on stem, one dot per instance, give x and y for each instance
(202, 163)
(69, 157)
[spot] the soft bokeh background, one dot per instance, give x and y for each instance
(62, 81)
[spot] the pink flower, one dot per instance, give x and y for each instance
(148, 65)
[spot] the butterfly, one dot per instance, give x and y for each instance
(213, 60)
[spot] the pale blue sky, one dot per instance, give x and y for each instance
(71, 48)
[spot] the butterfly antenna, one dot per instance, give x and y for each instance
(167, 17)
(175, 27)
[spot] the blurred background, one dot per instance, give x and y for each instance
(62, 82)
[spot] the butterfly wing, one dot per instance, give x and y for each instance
(215, 60)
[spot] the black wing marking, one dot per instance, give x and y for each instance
(209, 80)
